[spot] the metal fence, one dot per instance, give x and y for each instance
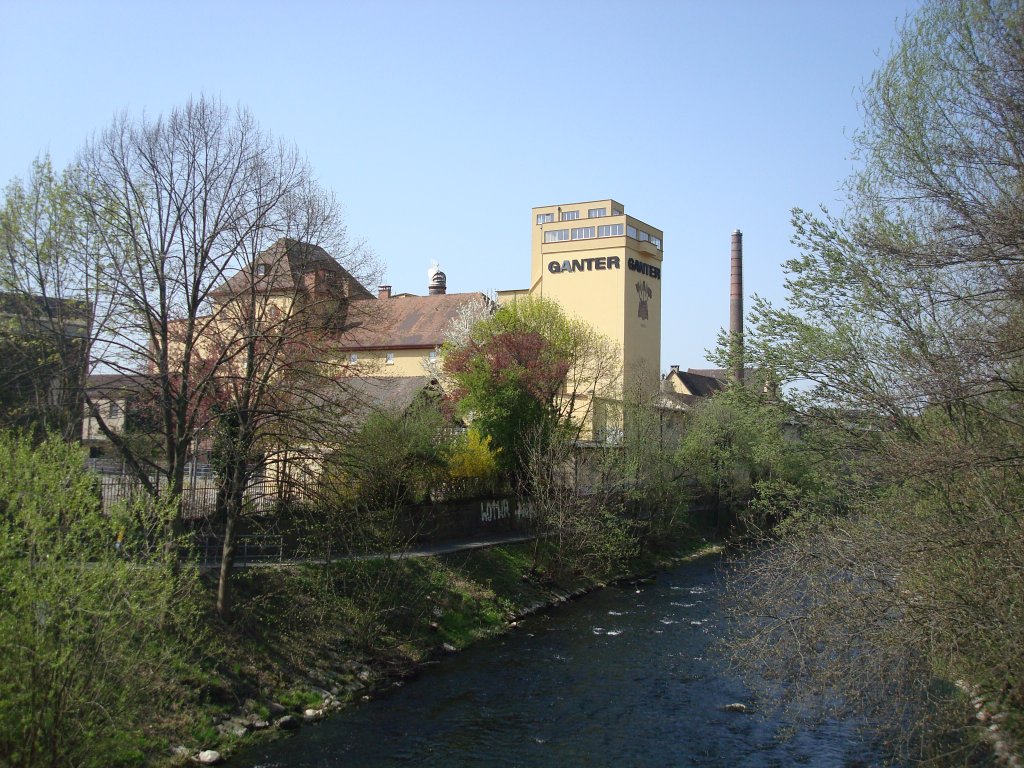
(199, 496)
(249, 548)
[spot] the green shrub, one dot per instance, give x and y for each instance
(93, 613)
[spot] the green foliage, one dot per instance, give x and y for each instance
(903, 329)
(45, 304)
(528, 368)
(92, 615)
(739, 448)
(472, 464)
(369, 485)
(31, 365)
(394, 459)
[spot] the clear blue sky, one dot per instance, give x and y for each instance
(440, 124)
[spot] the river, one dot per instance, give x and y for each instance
(627, 676)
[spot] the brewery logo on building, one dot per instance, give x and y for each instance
(644, 293)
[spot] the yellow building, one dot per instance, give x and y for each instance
(603, 267)
(382, 335)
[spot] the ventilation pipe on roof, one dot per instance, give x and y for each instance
(736, 307)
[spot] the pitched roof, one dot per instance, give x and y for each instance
(674, 401)
(117, 384)
(392, 393)
(722, 374)
(701, 384)
(46, 314)
(287, 260)
(403, 321)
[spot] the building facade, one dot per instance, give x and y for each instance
(599, 264)
(604, 267)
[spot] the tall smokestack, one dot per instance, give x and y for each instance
(736, 306)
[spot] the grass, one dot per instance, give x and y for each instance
(345, 628)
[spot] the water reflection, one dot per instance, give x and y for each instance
(624, 677)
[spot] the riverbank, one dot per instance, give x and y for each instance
(308, 640)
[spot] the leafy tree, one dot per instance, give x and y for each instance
(49, 294)
(587, 532)
(93, 620)
(903, 325)
(530, 368)
(393, 461)
(738, 446)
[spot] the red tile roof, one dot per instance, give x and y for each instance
(403, 322)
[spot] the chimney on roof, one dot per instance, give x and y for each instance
(675, 369)
(383, 291)
(736, 307)
(437, 284)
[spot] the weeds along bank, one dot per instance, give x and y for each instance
(112, 652)
(308, 639)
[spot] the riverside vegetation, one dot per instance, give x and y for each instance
(881, 492)
(894, 580)
(114, 653)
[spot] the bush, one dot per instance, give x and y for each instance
(93, 612)
(473, 466)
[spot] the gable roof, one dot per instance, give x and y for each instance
(701, 384)
(118, 385)
(287, 260)
(391, 393)
(403, 322)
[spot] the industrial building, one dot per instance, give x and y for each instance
(600, 264)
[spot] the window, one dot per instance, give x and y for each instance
(545, 218)
(432, 356)
(570, 215)
(114, 410)
(595, 213)
(353, 358)
(262, 270)
(556, 235)
(644, 237)
(582, 233)
(609, 230)
(656, 241)
(631, 231)
(616, 212)
(389, 358)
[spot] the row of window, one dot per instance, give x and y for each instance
(389, 357)
(605, 230)
(592, 213)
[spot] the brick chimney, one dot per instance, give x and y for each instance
(736, 306)
(383, 291)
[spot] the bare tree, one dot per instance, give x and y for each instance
(179, 204)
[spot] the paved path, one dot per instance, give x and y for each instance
(425, 550)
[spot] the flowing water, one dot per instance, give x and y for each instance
(627, 676)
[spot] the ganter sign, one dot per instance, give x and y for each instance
(603, 262)
(584, 265)
(644, 268)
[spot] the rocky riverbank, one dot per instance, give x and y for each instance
(429, 609)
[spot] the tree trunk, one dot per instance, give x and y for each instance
(227, 561)
(235, 488)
